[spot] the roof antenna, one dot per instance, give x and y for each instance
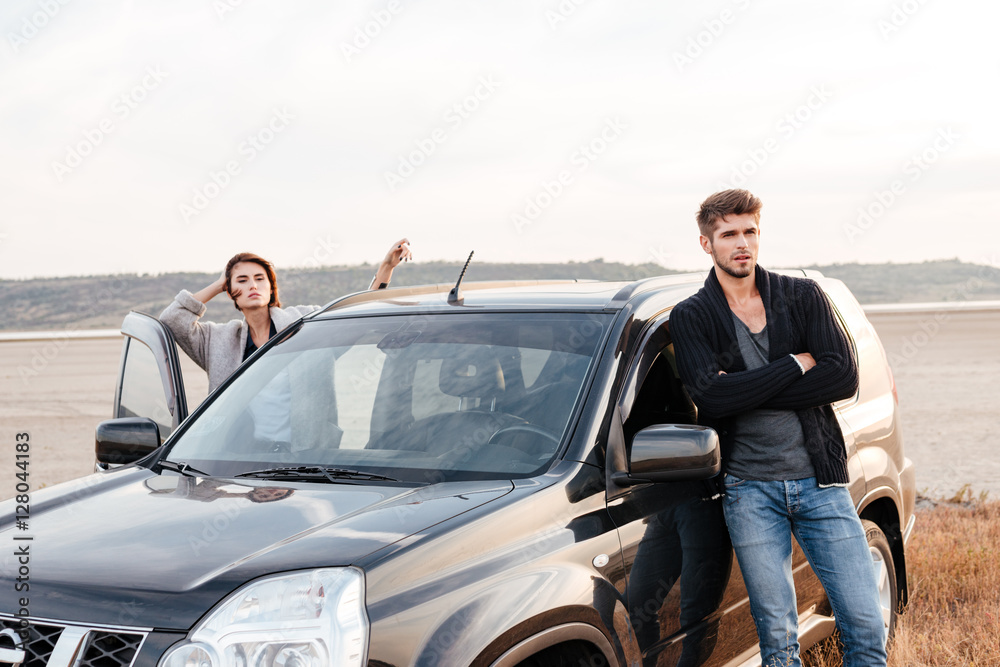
(455, 295)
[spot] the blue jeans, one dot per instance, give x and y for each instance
(762, 516)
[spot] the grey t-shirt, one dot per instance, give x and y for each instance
(767, 444)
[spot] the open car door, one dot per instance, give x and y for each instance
(149, 392)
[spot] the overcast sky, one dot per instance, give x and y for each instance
(167, 136)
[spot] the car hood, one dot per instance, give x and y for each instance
(134, 548)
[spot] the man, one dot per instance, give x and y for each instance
(763, 358)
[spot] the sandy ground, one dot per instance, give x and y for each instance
(57, 392)
(946, 365)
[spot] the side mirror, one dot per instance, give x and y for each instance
(126, 440)
(672, 453)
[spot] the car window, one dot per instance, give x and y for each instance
(142, 389)
(535, 345)
(471, 396)
(428, 399)
(661, 398)
(356, 373)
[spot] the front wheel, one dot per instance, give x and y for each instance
(885, 573)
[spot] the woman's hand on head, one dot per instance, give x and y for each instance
(220, 284)
(209, 292)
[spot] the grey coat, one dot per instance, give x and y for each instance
(218, 348)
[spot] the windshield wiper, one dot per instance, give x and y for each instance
(183, 468)
(314, 473)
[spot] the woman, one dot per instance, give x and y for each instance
(251, 283)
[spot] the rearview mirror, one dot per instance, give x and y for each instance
(126, 440)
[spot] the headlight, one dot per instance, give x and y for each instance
(314, 618)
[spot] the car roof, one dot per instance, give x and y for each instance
(548, 295)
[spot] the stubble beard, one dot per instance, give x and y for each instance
(733, 270)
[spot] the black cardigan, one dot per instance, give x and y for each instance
(799, 319)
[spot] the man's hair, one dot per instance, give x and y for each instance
(727, 202)
(268, 269)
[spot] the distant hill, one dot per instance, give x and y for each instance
(94, 302)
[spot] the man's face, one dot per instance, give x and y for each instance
(733, 245)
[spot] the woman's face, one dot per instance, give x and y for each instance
(249, 286)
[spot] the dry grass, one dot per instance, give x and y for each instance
(953, 618)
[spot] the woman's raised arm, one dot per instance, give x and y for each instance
(399, 252)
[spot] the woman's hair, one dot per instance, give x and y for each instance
(268, 269)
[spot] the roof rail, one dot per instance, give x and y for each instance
(646, 284)
(805, 273)
(436, 288)
(655, 282)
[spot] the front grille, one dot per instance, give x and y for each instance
(98, 647)
(110, 649)
(41, 640)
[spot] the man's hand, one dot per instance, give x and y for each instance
(806, 360)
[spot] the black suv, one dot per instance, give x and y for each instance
(510, 476)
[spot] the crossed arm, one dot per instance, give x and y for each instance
(779, 384)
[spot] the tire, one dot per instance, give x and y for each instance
(885, 571)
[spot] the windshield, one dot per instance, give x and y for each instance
(416, 398)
